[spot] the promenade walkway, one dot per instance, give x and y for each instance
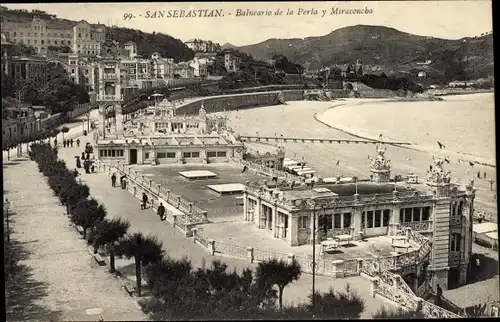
(61, 281)
(120, 203)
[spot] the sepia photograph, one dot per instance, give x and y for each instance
(314, 160)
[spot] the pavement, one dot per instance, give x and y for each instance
(61, 281)
(120, 203)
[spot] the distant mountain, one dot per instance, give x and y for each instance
(229, 46)
(386, 47)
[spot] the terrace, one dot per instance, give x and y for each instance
(219, 207)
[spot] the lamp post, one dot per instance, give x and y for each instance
(7, 208)
(315, 205)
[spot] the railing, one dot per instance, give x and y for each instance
(393, 287)
(423, 289)
(424, 226)
(191, 215)
(199, 237)
(109, 76)
(264, 254)
(232, 250)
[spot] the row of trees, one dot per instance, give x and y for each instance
(179, 291)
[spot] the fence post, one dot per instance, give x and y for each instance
(211, 246)
(190, 208)
(373, 287)
(290, 258)
(168, 196)
(150, 183)
(135, 191)
(338, 268)
(359, 266)
(159, 189)
(194, 230)
(175, 220)
(129, 170)
(250, 254)
(178, 202)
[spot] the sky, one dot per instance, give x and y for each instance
(442, 19)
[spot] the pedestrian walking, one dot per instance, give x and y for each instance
(55, 142)
(71, 142)
(78, 162)
(83, 155)
(64, 143)
(161, 212)
(439, 294)
(484, 175)
(144, 200)
(113, 180)
(92, 168)
(78, 142)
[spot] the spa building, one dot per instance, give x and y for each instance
(437, 209)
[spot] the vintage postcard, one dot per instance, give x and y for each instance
(249, 160)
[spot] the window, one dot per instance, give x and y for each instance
(79, 35)
(15, 34)
(41, 41)
(325, 221)
(69, 42)
(72, 71)
(161, 155)
(369, 219)
(113, 153)
(55, 42)
(29, 34)
(303, 222)
(408, 214)
(386, 218)
(337, 221)
(146, 155)
(48, 42)
(211, 154)
(41, 35)
(186, 154)
(195, 154)
(378, 218)
(347, 220)
(48, 34)
(455, 241)
(29, 41)
(426, 213)
(221, 154)
(171, 155)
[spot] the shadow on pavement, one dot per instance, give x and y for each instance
(22, 291)
(488, 268)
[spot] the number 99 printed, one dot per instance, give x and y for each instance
(128, 16)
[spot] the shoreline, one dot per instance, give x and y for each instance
(464, 157)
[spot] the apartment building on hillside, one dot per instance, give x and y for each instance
(81, 36)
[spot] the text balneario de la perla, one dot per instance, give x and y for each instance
(197, 13)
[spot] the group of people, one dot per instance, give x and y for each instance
(69, 143)
(144, 205)
(88, 164)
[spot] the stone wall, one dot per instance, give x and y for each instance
(237, 101)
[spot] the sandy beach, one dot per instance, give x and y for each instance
(298, 119)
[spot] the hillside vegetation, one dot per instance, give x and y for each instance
(147, 43)
(387, 47)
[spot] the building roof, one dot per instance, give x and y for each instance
(306, 194)
(483, 292)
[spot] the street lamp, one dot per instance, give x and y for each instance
(315, 205)
(7, 208)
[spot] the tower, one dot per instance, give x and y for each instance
(380, 166)
(109, 94)
(438, 182)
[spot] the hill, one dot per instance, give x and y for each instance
(228, 46)
(147, 43)
(377, 45)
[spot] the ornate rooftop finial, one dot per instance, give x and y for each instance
(437, 174)
(202, 112)
(380, 162)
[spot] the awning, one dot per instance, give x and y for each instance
(485, 227)
(493, 235)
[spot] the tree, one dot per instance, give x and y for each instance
(107, 233)
(277, 272)
(87, 213)
(144, 250)
(64, 130)
(8, 86)
(19, 49)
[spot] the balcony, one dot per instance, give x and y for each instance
(110, 98)
(109, 76)
(420, 226)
